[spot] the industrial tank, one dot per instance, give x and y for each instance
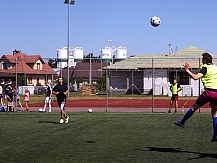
(62, 58)
(106, 53)
(78, 54)
(121, 53)
(75, 55)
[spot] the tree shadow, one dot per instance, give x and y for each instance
(201, 155)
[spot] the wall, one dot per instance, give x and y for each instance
(160, 81)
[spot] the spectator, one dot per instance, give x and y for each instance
(1, 96)
(26, 99)
(48, 97)
(16, 99)
(9, 97)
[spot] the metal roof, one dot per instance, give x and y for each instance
(190, 54)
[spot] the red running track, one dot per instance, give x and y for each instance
(119, 105)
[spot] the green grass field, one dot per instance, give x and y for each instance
(105, 137)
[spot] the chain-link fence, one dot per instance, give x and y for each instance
(133, 84)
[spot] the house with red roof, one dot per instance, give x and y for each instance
(30, 69)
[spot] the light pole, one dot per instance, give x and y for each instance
(90, 71)
(68, 2)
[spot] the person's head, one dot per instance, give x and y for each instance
(207, 58)
(174, 81)
(46, 83)
(26, 90)
(60, 80)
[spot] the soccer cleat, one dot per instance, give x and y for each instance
(49, 111)
(214, 139)
(178, 123)
(67, 119)
(169, 111)
(61, 121)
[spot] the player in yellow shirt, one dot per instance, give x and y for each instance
(208, 74)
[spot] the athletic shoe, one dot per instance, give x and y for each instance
(49, 111)
(67, 119)
(61, 121)
(178, 123)
(214, 139)
(169, 111)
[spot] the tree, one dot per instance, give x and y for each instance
(52, 63)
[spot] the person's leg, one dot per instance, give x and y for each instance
(49, 105)
(214, 117)
(189, 113)
(45, 104)
(170, 106)
(213, 105)
(201, 100)
(1, 101)
(176, 106)
(62, 114)
(21, 106)
(27, 105)
(61, 111)
(65, 114)
(44, 108)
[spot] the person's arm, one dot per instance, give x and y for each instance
(171, 88)
(194, 76)
(54, 91)
(51, 92)
(179, 88)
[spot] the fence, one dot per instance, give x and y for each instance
(132, 84)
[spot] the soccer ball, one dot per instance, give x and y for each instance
(155, 21)
(90, 110)
(40, 110)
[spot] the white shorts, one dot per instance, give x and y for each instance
(62, 106)
(10, 103)
(48, 100)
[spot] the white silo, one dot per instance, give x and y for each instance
(106, 53)
(61, 58)
(120, 53)
(78, 53)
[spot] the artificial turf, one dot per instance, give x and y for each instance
(105, 137)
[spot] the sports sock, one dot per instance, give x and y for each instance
(215, 126)
(187, 115)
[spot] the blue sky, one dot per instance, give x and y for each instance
(40, 26)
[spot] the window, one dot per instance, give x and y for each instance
(181, 76)
(29, 80)
(38, 66)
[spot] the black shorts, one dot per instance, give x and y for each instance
(60, 102)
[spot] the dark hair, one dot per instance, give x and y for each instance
(207, 58)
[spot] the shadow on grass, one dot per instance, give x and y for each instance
(48, 122)
(201, 155)
(90, 141)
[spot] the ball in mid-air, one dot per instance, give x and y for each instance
(90, 110)
(155, 21)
